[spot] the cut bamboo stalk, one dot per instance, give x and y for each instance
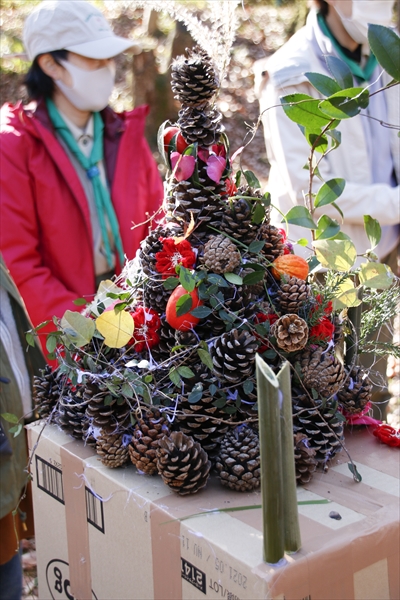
(271, 462)
(291, 528)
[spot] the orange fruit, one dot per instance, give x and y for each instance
(186, 321)
(290, 265)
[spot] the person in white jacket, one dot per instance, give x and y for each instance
(369, 155)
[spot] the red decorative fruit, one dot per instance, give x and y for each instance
(290, 265)
(186, 321)
(169, 133)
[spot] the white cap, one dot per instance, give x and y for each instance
(74, 25)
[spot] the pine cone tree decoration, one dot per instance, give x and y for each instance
(321, 426)
(182, 463)
(293, 294)
(71, 414)
(238, 460)
(356, 391)
(273, 246)
(148, 430)
(200, 124)
(221, 255)
(237, 221)
(46, 391)
(304, 459)
(194, 78)
(108, 412)
(291, 332)
(233, 355)
(321, 371)
(114, 453)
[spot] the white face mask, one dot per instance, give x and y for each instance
(90, 89)
(378, 12)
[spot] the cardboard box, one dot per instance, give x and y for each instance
(116, 534)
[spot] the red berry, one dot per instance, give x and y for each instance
(186, 321)
(169, 133)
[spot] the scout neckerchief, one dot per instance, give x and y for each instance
(101, 195)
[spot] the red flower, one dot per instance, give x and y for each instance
(172, 255)
(145, 335)
(388, 435)
(230, 187)
(328, 308)
(215, 160)
(182, 166)
(261, 318)
(323, 331)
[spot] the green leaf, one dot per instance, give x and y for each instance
(78, 329)
(201, 312)
(339, 255)
(80, 302)
(256, 246)
(258, 214)
(9, 417)
(230, 410)
(336, 137)
(185, 372)
(385, 44)
(316, 140)
(329, 192)
(302, 242)
(327, 228)
(126, 390)
(233, 278)
(338, 209)
(42, 325)
(196, 393)
(51, 343)
(345, 104)
(323, 83)
(346, 296)
(217, 280)
(300, 215)
(252, 180)
(373, 230)
(248, 386)
(30, 338)
(16, 430)
(174, 376)
(376, 275)
(187, 280)
(353, 469)
(219, 402)
(304, 110)
(205, 358)
(266, 199)
(183, 305)
(238, 178)
(340, 71)
(254, 277)
(171, 283)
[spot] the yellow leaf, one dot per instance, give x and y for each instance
(116, 327)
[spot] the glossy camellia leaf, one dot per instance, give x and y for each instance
(324, 84)
(303, 110)
(340, 71)
(329, 192)
(252, 180)
(254, 277)
(116, 328)
(345, 104)
(183, 305)
(385, 44)
(347, 295)
(300, 215)
(316, 140)
(336, 137)
(373, 230)
(233, 278)
(376, 275)
(78, 329)
(186, 279)
(327, 228)
(339, 255)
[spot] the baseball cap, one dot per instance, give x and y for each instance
(74, 25)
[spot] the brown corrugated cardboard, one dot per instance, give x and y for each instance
(116, 534)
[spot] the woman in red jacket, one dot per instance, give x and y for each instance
(75, 176)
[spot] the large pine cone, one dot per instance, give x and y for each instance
(114, 453)
(155, 295)
(293, 294)
(233, 355)
(221, 255)
(200, 124)
(195, 78)
(46, 391)
(108, 412)
(147, 432)
(182, 463)
(71, 414)
(304, 458)
(238, 461)
(322, 427)
(237, 221)
(322, 371)
(167, 341)
(185, 201)
(291, 332)
(273, 246)
(356, 392)
(152, 244)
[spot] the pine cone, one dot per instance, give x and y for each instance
(321, 426)
(182, 463)
(112, 450)
(147, 432)
(195, 78)
(152, 244)
(273, 246)
(238, 461)
(155, 295)
(304, 458)
(291, 332)
(108, 412)
(356, 392)
(200, 124)
(221, 255)
(322, 371)
(293, 294)
(71, 414)
(237, 221)
(233, 355)
(46, 391)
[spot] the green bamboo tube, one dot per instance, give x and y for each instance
(291, 529)
(271, 462)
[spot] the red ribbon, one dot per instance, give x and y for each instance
(360, 418)
(388, 435)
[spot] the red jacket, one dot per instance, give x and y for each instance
(45, 229)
